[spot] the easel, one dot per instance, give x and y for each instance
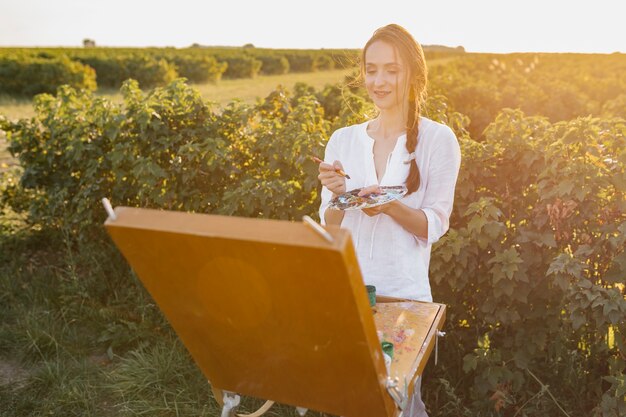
(277, 310)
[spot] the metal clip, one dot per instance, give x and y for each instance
(230, 401)
(437, 336)
(401, 398)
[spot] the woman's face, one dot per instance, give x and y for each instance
(385, 76)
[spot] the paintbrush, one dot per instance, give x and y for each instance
(337, 170)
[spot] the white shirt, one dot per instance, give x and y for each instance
(390, 257)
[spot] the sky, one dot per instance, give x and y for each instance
(477, 25)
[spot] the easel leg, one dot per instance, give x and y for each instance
(218, 394)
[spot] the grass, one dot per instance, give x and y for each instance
(80, 337)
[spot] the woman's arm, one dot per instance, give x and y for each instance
(431, 220)
(413, 220)
(333, 216)
(332, 183)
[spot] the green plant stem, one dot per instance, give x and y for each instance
(545, 387)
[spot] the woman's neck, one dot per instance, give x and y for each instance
(388, 125)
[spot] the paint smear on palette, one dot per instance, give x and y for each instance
(404, 324)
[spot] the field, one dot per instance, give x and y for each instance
(532, 268)
(222, 92)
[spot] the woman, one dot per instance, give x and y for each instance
(393, 241)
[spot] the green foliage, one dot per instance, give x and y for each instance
(532, 269)
(199, 69)
(273, 64)
(301, 62)
(148, 71)
(27, 75)
(241, 66)
(557, 86)
(534, 264)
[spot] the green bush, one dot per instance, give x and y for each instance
(301, 62)
(199, 69)
(324, 63)
(27, 75)
(150, 72)
(273, 64)
(241, 66)
(534, 267)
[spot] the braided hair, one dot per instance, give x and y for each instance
(413, 55)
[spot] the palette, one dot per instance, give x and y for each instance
(352, 201)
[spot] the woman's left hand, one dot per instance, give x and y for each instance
(372, 189)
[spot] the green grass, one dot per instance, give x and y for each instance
(79, 336)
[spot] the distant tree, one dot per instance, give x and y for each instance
(89, 43)
(248, 45)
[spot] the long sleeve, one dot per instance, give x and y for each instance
(331, 154)
(444, 165)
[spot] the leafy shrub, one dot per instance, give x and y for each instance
(241, 66)
(148, 71)
(324, 63)
(301, 62)
(26, 75)
(199, 69)
(273, 64)
(533, 269)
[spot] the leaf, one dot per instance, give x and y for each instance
(565, 188)
(470, 362)
(476, 224)
(577, 320)
(617, 317)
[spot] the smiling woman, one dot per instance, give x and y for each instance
(398, 148)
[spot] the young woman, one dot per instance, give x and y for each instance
(398, 147)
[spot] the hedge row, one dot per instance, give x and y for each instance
(33, 75)
(33, 71)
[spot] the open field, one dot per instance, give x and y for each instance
(245, 89)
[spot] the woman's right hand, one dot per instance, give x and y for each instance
(331, 179)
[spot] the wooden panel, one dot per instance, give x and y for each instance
(411, 326)
(266, 308)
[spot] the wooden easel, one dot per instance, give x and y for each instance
(275, 310)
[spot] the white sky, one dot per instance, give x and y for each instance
(478, 25)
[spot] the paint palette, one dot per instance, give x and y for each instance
(352, 201)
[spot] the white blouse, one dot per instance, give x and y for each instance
(390, 257)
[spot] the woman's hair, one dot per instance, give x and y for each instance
(413, 56)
